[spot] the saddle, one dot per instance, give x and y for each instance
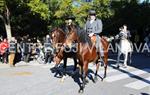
(93, 39)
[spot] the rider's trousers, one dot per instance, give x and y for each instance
(99, 46)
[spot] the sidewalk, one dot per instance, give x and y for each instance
(21, 63)
(4, 65)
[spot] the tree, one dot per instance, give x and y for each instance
(38, 7)
(23, 15)
(38, 15)
(5, 16)
(80, 9)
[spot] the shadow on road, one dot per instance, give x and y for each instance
(139, 61)
(59, 72)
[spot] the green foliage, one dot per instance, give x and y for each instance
(80, 10)
(65, 7)
(2, 6)
(103, 8)
(38, 7)
(27, 15)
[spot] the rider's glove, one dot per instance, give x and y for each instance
(91, 34)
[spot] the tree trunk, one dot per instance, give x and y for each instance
(6, 20)
(7, 24)
(8, 31)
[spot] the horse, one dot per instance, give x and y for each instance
(125, 47)
(58, 38)
(86, 52)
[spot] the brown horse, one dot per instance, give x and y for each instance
(58, 38)
(86, 52)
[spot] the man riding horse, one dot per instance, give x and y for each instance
(69, 21)
(93, 27)
(124, 33)
(125, 44)
(86, 52)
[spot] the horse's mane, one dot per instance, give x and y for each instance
(83, 36)
(81, 33)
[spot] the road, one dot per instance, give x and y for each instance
(38, 79)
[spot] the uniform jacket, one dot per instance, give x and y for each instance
(94, 27)
(125, 34)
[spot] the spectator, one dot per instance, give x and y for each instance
(147, 39)
(0, 51)
(4, 50)
(12, 51)
(48, 50)
(136, 38)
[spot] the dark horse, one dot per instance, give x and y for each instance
(86, 52)
(58, 38)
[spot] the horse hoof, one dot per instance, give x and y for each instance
(118, 66)
(80, 91)
(104, 77)
(86, 81)
(124, 66)
(95, 79)
(62, 79)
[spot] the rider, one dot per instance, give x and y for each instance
(124, 33)
(69, 21)
(93, 27)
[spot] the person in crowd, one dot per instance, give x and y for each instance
(26, 47)
(48, 50)
(4, 50)
(147, 39)
(0, 51)
(12, 51)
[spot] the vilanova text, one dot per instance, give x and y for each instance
(140, 48)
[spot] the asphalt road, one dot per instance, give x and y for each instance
(39, 79)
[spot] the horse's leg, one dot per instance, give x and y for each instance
(64, 69)
(75, 64)
(105, 64)
(125, 59)
(118, 58)
(130, 58)
(97, 68)
(85, 70)
(82, 86)
(65, 64)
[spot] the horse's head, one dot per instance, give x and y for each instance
(69, 40)
(72, 36)
(57, 35)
